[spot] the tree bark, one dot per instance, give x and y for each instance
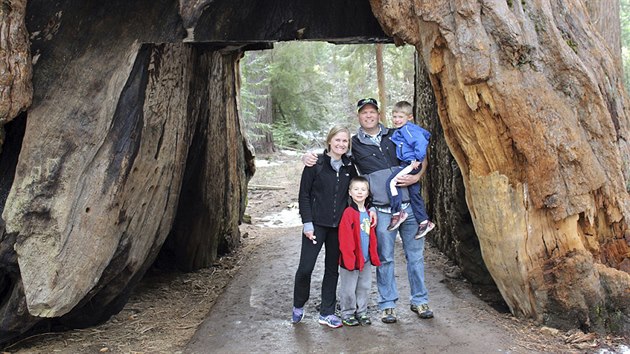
(604, 16)
(546, 174)
(16, 89)
(444, 191)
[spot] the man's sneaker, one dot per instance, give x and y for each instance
(422, 310)
(389, 316)
(364, 319)
(331, 321)
(298, 314)
(350, 321)
(424, 229)
(397, 220)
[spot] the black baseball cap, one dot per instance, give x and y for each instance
(364, 101)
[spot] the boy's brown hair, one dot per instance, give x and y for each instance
(359, 179)
(403, 107)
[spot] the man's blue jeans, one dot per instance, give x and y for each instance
(414, 253)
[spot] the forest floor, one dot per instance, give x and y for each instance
(252, 287)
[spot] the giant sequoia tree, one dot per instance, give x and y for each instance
(532, 108)
(132, 143)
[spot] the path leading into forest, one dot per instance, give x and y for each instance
(253, 313)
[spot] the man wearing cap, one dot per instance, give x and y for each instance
(374, 154)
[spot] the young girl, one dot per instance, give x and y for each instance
(357, 243)
(322, 200)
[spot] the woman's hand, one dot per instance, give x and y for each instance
(311, 236)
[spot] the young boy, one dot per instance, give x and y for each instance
(411, 148)
(357, 245)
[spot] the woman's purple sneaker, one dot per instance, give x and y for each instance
(298, 315)
(331, 321)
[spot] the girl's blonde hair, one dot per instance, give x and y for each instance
(336, 130)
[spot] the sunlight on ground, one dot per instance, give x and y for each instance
(285, 218)
(623, 349)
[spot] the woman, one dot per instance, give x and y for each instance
(322, 199)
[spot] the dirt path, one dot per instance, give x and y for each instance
(252, 315)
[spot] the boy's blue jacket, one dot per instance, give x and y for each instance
(411, 142)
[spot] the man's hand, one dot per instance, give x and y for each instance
(309, 159)
(373, 218)
(407, 180)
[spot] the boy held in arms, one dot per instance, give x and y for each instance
(358, 253)
(411, 149)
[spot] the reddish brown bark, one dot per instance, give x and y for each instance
(533, 110)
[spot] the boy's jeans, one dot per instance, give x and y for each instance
(414, 252)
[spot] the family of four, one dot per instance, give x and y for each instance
(381, 176)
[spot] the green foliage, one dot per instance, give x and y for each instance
(315, 85)
(300, 83)
(571, 43)
(253, 92)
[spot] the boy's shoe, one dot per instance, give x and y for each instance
(389, 316)
(350, 321)
(397, 220)
(298, 315)
(424, 229)
(422, 310)
(331, 321)
(364, 319)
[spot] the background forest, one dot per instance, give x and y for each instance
(292, 94)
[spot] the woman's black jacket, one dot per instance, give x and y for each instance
(324, 192)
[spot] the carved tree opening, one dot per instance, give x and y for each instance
(134, 123)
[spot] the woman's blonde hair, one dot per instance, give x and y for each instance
(336, 130)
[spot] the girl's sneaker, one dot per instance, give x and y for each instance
(298, 315)
(331, 321)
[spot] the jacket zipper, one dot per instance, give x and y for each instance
(335, 198)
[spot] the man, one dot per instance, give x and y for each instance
(374, 154)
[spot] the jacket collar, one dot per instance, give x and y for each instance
(345, 160)
(364, 138)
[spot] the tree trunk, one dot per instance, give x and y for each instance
(105, 150)
(546, 174)
(380, 79)
(213, 196)
(444, 191)
(259, 86)
(15, 63)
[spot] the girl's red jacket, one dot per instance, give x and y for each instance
(351, 257)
